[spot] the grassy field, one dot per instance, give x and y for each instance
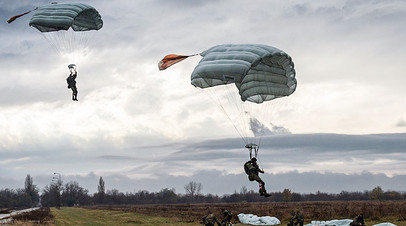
(80, 216)
(191, 214)
(374, 211)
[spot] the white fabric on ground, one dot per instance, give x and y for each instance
(255, 220)
(344, 222)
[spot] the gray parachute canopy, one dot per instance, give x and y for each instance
(55, 17)
(260, 72)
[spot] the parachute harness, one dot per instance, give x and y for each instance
(252, 147)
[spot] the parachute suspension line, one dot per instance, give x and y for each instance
(235, 127)
(236, 107)
(242, 113)
(216, 96)
(69, 43)
(49, 41)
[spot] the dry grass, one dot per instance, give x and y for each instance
(41, 216)
(374, 211)
(191, 214)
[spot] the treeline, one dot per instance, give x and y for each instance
(71, 193)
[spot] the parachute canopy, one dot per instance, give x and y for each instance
(261, 73)
(55, 17)
(243, 79)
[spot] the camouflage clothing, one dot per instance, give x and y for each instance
(297, 219)
(227, 215)
(358, 221)
(252, 169)
(210, 220)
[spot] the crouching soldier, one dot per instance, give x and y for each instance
(297, 219)
(227, 215)
(358, 221)
(210, 220)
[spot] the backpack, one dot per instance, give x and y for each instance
(248, 167)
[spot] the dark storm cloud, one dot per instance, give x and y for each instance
(292, 151)
(311, 143)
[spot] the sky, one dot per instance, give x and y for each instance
(344, 128)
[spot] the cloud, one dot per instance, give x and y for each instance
(134, 122)
(401, 123)
(259, 129)
(220, 183)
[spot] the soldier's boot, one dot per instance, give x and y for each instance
(267, 195)
(263, 192)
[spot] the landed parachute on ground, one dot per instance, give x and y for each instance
(259, 74)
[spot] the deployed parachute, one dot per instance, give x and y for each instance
(243, 79)
(56, 17)
(67, 27)
(260, 73)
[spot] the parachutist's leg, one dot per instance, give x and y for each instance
(75, 93)
(262, 189)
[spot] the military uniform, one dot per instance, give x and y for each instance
(71, 80)
(297, 219)
(358, 221)
(210, 220)
(227, 215)
(252, 169)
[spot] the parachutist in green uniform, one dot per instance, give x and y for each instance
(252, 169)
(71, 80)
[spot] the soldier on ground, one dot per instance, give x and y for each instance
(358, 221)
(210, 220)
(227, 215)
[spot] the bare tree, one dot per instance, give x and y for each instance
(244, 190)
(193, 189)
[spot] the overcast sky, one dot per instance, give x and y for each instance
(344, 128)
